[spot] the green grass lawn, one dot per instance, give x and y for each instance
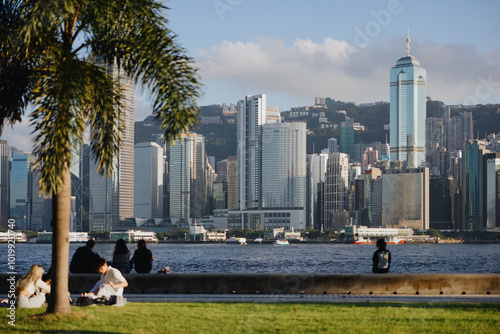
(262, 318)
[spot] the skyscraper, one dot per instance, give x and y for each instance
(20, 188)
(408, 110)
(148, 181)
(405, 198)
(472, 184)
(232, 183)
(493, 191)
(283, 165)
(187, 176)
(112, 199)
(347, 137)
(4, 184)
(251, 116)
(336, 186)
(332, 145)
(315, 180)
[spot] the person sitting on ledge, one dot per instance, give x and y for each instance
(31, 290)
(143, 258)
(84, 259)
(381, 258)
(111, 283)
(121, 257)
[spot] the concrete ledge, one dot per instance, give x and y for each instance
(222, 283)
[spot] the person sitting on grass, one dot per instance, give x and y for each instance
(111, 283)
(31, 290)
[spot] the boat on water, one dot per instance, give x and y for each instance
(236, 241)
(390, 241)
(281, 242)
(257, 240)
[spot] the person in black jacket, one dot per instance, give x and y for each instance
(84, 260)
(381, 258)
(142, 259)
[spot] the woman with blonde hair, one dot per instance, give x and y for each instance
(31, 290)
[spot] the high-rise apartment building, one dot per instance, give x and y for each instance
(332, 145)
(461, 129)
(434, 134)
(148, 180)
(4, 184)
(251, 117)
(408, 110)
(232, 182)
(112, 199)
(187, 177)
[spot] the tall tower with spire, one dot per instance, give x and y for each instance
(408, 110)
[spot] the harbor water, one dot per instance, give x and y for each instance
(296, 258)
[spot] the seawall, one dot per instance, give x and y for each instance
(227, 283)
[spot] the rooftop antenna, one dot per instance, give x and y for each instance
(408, 43)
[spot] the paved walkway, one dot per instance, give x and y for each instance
(302, 298)
(309, 298)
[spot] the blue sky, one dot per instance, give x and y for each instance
(296, 50)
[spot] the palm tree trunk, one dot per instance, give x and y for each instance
(61, 207)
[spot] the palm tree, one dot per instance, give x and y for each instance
(56, 63)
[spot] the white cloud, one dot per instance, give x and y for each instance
(342, 71)
(19, 135)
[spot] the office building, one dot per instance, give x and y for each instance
(112, 198)
(336, 186)
(347, 137)
(440, 202)
(21, 188)
(472, 184)
(492, 199)
(187, 176)
(408, 111)
(405, 198)
(315, 181)
(283, 173)
(148, 180)
(4, 184)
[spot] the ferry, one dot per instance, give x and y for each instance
(280, 242)
(390, 241)
(11, 235)
(236, 241)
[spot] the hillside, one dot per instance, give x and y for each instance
(221, 137)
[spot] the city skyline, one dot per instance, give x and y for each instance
(297, 50)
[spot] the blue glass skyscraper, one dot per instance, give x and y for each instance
(408, 111)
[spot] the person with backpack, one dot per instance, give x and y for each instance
(381, 258)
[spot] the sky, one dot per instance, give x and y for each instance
(296, 50)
